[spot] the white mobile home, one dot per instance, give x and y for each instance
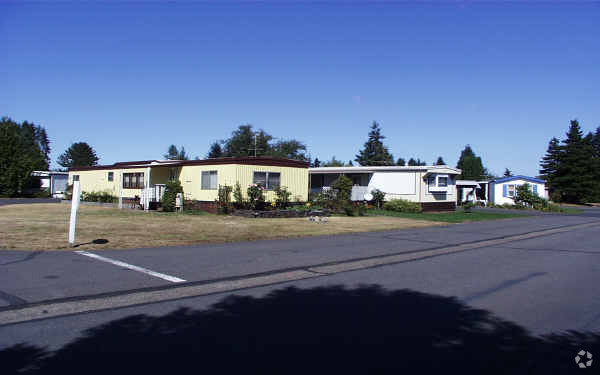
(432, 186)
(503, 190)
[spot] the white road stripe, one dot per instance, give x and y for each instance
(132, 267)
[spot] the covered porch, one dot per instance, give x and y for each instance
(322, 182)
(472, 191)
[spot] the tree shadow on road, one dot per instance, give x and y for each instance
(320, 330)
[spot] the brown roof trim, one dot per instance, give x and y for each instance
(278, 162)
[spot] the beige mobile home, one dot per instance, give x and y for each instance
(200, 179)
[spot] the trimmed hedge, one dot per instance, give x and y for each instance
(402, 205)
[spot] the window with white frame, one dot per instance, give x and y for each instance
(510, 190)
(111, 176)
(268, 180)
(438, 183)
(209, 180)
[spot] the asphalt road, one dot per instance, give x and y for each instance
(7, 201)
(537, 272)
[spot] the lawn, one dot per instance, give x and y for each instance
(446, 217)
(45, 226)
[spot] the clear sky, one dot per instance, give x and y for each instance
(130, 78)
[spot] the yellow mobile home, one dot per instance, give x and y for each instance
(200, 179)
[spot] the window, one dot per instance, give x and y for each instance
(269, 180)
(133, 180)
(209, 180)
(172, 174)
(442, 181)
(511, 190)
(111, 176)
(75, 177)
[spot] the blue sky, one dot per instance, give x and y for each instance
(130, 78)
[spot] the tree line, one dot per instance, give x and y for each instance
(571, 167)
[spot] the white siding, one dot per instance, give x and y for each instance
(497, 190)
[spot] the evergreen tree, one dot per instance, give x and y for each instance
(80, 154)
(20, 154)
(374, 151)
(401, 162)
(596, 141)
(575, 176)
(416, 162)
(316, 163)
(507, 173)
(333, 163)
(549, 163)
(215, 151)
(349, 164)
(471, 165)
(173, 153)
(440, 161)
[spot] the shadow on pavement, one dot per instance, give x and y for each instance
(321, 330)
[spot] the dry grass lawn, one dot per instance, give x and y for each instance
(45, 227)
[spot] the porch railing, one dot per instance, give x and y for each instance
(357, 194)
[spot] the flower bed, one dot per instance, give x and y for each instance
(280, 213)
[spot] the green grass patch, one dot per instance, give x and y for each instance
(570, 210)
(446, 217)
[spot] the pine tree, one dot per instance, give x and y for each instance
(471, 165)
(215, 150)
(575, 176)
(440, 161)
(316, 163)
(549, 164)
(374, 152)
(507, 173)
(333, 163)
(412, 162)
(80, 154)
(401, 162)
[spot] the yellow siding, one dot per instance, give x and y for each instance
(191, 180)
(97, 181)
(190, 176)
(295, 179)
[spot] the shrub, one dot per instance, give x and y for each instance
(282, 199)
(224, 205)
(525, 196)
(349, 209)
(172, 188)
(362, 209)
(100, 196)
(378, 197)
(238, 197)
(256, 197)
(42, 194)
(325, 199)
(343, 188)
(468, 205)
(402, 205)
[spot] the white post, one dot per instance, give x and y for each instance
(74, 207)
(121, 189)
(147, 186)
